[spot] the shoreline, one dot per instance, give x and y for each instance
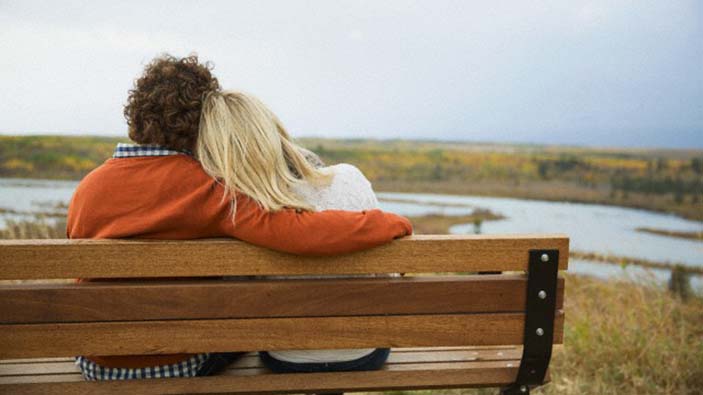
(440, 224)
(383, 187)
(546, 198)
(655, 179)
(695, 236)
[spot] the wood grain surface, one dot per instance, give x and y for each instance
(252, 361)
(406, 369)
(177, 336)
(52, 259)
(107, 301)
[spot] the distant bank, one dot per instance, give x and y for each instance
(664, 180)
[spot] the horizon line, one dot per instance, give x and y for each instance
(411, 139)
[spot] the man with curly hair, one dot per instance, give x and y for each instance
(164, 106)
(156, 189)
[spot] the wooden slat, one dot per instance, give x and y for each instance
(454, 356)
(252, 361)
(34, 360)
(441, 348)
(25, 369)
(29, 383)
(157, 337)
(260, 299)
(397, 377)
(47, 259)
(423, 350)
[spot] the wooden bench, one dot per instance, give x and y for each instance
(449, 327)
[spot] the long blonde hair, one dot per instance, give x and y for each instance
(244, 146)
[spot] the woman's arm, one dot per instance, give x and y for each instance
(328, 232)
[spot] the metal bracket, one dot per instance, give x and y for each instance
(540, 308)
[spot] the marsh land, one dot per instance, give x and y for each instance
(655, 179)
(621, 337)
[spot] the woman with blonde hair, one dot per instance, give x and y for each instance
(244, 146)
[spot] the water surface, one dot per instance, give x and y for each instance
(591, 227)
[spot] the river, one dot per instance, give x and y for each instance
(591, 227)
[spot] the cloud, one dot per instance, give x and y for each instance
(24, 34)
(544, 71)
(356, 35)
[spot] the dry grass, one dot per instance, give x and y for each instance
(627, 260)
(439, 224)
(681, 235)
(36, 229)
(623, 339)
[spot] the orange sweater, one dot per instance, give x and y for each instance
(171, 197)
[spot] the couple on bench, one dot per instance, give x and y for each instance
(213, 163)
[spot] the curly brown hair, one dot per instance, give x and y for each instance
(164, 106)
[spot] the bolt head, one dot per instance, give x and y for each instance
(539, 331)
(542, 295)
(523, 388)
(544, 258)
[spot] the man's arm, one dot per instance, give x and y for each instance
(327, 232)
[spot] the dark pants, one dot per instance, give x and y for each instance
(372, 361)
(217, 362)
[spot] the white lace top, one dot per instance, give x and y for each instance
(349, 190)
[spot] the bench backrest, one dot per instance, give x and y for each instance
(432, 305)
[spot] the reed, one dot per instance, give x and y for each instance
(41, 228)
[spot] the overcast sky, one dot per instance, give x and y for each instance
(605, 73)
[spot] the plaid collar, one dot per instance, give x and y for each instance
(131, 150)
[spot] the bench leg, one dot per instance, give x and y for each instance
(542, 275)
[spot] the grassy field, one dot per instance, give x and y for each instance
(662, 180)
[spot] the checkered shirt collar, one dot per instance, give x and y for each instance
(132, 150)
